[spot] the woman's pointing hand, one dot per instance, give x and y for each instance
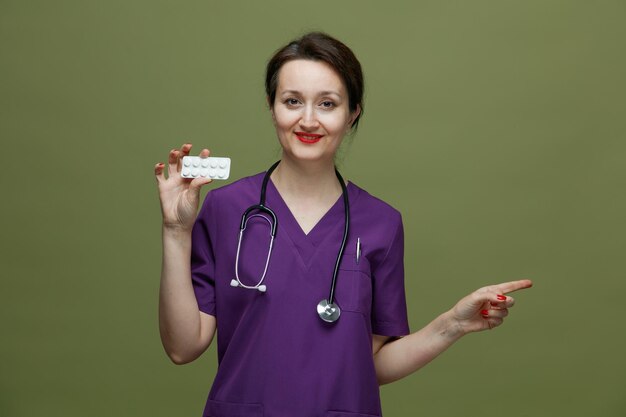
(486, 307)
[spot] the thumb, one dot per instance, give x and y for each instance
(197, 183)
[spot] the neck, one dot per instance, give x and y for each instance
(306, 179)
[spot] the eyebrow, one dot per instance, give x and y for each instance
(322, 93)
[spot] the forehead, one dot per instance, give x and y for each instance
(308, 76)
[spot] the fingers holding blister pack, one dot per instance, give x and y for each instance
(180, 195)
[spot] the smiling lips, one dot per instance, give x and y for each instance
(308, 137)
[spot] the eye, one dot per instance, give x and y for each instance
(327, 104)
(292, 102)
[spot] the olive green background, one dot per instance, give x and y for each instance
(496, 127)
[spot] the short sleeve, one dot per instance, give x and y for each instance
(389, 311)
(203, 259)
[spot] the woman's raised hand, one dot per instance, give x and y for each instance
(486, 307)
(179, 196)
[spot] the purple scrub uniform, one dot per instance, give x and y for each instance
(276, 357)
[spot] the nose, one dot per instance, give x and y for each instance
(309, 121)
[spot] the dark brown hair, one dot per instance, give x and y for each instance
(318, 46)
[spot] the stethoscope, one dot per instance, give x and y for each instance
(327, 309)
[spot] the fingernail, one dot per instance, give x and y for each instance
(484, 313)
(494, 304)
(501, 297)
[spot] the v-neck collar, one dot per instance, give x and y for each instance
(327, 226)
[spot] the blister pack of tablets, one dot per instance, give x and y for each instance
(213, 167)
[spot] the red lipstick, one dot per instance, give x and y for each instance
(308, 138)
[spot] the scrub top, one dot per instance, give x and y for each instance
(276, 357)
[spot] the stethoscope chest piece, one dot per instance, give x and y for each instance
(329, 312)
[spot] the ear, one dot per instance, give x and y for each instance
(269, 105)
(354, 115)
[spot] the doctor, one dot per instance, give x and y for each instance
(276, 356)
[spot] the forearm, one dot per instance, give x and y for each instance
(179, 317)
(402, 357)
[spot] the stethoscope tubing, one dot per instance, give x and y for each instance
(269, 252)
(265, 209)
(346, 230)
(327, 310)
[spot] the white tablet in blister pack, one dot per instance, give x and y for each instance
(213, 167)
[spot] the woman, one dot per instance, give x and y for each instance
(282, 351)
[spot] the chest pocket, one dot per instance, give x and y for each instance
(354, 285)
(226, 409)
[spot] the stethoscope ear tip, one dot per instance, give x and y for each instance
(235, 283)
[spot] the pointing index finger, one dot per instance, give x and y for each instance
(511, 286)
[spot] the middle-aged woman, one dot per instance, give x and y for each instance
(311, 322)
